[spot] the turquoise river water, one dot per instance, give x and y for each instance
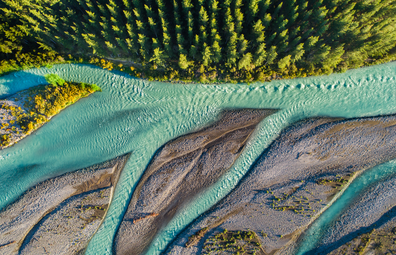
(132, 115)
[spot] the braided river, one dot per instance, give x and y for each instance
(138, 116)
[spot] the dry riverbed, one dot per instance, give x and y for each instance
(295, 179)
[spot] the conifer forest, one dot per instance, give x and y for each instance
(203, 40)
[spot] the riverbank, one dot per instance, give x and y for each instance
(26, 111)
(210, 76)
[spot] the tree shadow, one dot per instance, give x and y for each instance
(17, 81)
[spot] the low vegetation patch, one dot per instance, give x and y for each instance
(305, 205)
(303, 201)
(233, 242)
(28, 110)
(337, 183)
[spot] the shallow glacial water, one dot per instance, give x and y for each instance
(140, 116)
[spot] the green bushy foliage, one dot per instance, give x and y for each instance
(54, 79)
(95, 87)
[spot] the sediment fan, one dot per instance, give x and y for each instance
(250, 37)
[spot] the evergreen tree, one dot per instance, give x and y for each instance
(206, 56)
(183, 63)
(158, 58)
(245, 61)
(271, 55)
(187, 7)
(258, 43)
(230, 36)
(166, 36)
(284, 62)
(179, 30)
(215, 38)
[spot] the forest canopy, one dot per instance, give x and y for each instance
(206, 39)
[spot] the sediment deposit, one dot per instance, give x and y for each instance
(293, 181)
(180, 170)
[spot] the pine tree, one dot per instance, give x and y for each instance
(251, 12)
(203, 23)
(271, 56)
(297, 53)
(258, 43)
(334, 58)
(144, 42)
(206, 56)
(92, 42)
(230, 36)
(320, 54)
(179, 30)
(252, 35)
(132, 33)
(166, 36)
(187, 7)
(158, 58)
(143, 31)
(238, 17)
(284, 62)
(152, 21)
(215, 38)
(183, 63)
(242, 44)
(193, 53)
(216, 51)
(245, 61)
